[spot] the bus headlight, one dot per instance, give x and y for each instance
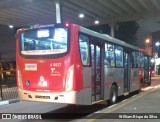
(69, 79)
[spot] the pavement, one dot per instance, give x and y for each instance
(5, 102)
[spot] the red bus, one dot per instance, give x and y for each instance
(67, 63)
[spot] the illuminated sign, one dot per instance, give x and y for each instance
(43, 33)
(31, 67)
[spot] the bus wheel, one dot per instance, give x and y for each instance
(113, 95)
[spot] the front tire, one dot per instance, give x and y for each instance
(113, 95)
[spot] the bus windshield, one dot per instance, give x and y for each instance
(44, 41)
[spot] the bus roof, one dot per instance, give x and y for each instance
(110, 39)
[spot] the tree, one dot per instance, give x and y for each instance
(126, 31)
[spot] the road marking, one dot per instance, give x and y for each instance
(122, 104)
(112, 105)
(124, 100)
(134, 96)
(97, 112)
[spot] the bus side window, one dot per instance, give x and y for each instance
(134, 60)
(138, 56)
(119, 56)
(109, 55)
(84, 56)
(141, 60)
(84, 49)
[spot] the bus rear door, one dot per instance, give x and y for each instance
(147, 75)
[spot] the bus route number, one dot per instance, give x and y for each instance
(56, 64)
(53, 67)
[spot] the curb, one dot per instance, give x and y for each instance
(9, 101)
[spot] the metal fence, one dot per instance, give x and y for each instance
(8, 89)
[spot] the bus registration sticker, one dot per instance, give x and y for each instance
(31, 67)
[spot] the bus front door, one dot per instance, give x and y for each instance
(96, 71)
(147, 75)
(126, 73)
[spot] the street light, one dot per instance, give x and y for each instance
(152, 60)
(81, 15)
(157, 44)
(147, 41)
(10, 26)
(96, 22)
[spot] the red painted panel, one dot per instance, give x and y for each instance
(53, 72)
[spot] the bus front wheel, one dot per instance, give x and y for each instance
(113, 95)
